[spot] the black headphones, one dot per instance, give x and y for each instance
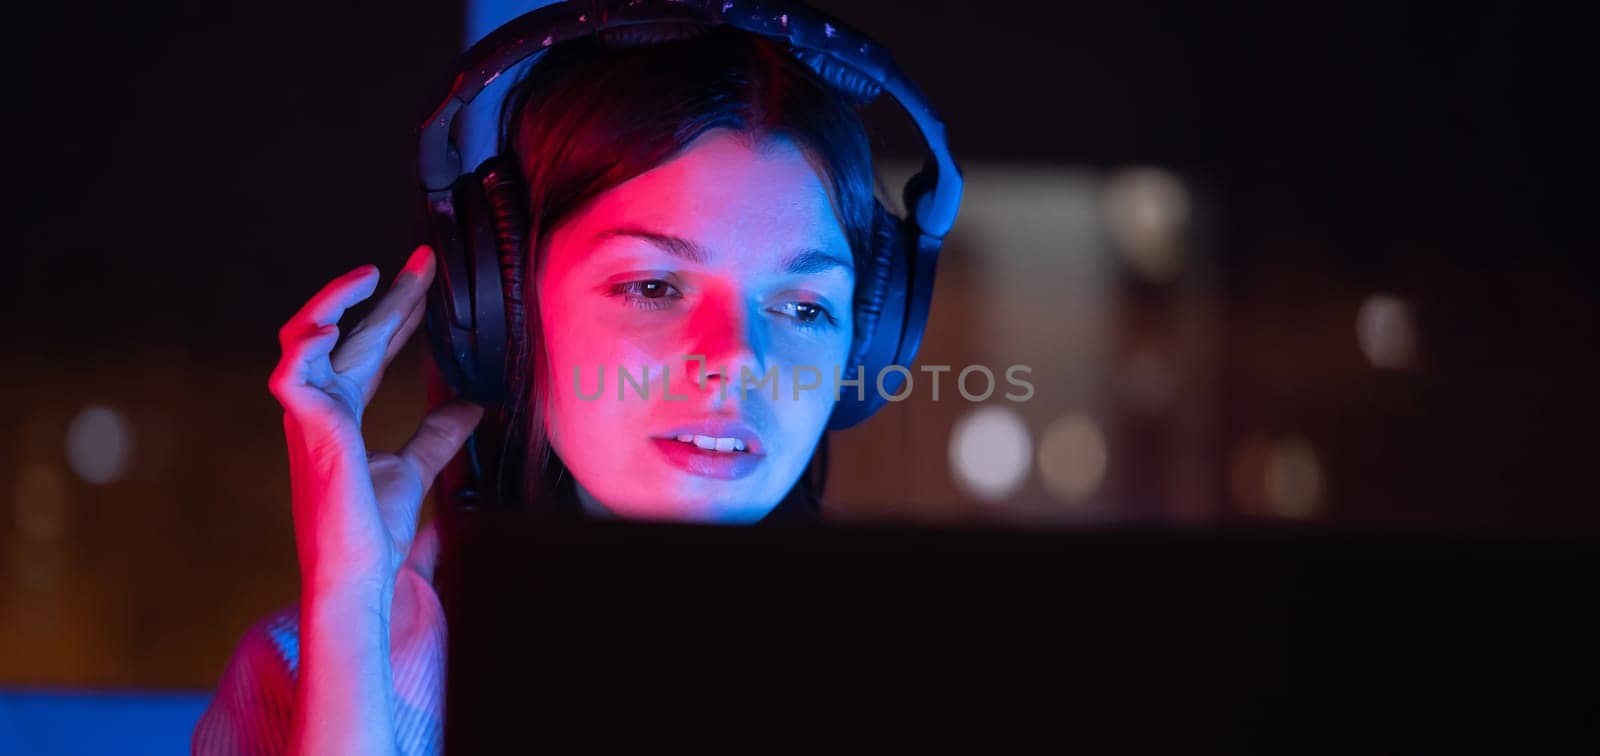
(476, 217)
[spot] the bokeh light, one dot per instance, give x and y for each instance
(99, 444)
(1276, 477)
(1072, 457)
(1146, 214)
(1293, 481)
(990, 452)
(1387, 332)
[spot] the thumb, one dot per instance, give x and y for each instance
(439, 437)
(424, 554)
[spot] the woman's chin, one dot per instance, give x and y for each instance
(703, 506)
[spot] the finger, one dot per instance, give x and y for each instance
(364, 352)
(304, 364)
(407, 327)
(425, 550)
(442, 433)
(326, 306)
(396, 342)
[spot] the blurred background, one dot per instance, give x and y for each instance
(1321, 266)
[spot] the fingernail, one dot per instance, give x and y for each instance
(418, 260)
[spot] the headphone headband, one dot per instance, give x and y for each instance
(838, 53)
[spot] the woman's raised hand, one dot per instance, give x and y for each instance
(355, 513)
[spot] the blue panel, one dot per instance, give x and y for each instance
(69, 723)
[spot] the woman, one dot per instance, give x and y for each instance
(704, 210)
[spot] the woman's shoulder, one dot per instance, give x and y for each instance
(254, 701)
(275, 640)
(253, 707)
(272, 644)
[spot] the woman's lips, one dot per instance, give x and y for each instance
(709, 463)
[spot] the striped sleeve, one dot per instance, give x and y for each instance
(249, 715)
(251, 712)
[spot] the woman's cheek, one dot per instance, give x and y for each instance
(576, 351)
(813, 358)
(809, 365)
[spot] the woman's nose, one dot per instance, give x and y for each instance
(730, 337)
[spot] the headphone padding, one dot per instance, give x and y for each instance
(504, 198)
(878, 325)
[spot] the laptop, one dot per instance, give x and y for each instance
(577, 636)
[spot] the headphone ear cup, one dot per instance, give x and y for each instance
(486, 384)
(475, 307)
(464, 312)
(462, 307)
(871, 291)
(448, 319)
(507, 202)
(504, 199)
(919, 184)
(877, 322)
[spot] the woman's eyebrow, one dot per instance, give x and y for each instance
(809, 261)
(675, 246)
(802, 262)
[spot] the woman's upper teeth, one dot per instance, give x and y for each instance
(712, 443)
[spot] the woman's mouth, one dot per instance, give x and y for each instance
(727, 451)
(710, 443)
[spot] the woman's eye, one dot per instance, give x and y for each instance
(808, 314)
(649, 294)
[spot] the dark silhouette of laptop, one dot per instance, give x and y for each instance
(626, 637)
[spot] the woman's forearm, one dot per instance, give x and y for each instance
(342, 698)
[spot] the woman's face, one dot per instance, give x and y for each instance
(727, 252)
